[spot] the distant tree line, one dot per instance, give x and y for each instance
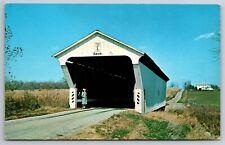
(215, 87)
(189, 86)
(173, 85)
(33, 85)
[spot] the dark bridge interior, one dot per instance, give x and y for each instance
(109, 80)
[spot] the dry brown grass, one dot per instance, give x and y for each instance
(107, 127)
(54, 97)
(137, 129)
(171, 92)
(204, 106)
(40, 111)
(137, 132)
(168, 116)
(21, 103)
(198, 131)
(104, 130)
(86, 134)
(208, 117)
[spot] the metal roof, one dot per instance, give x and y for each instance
(148, 62)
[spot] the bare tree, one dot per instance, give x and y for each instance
(11, 53)
(216, 50)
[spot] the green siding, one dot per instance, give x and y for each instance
(154, 88)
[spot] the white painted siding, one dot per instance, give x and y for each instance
(154, 89)
(106, 48)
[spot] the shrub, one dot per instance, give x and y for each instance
(208, 116)
(30, 102)
(16, 104)
(10, 105)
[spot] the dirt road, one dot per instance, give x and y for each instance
(176, 98)
(50, 127)
(173, 105)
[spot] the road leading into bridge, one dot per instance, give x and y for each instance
(50, 127)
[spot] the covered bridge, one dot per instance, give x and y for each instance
(114, 74)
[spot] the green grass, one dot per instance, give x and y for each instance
(151, 129)
(205, 106)
(119, 133)
(161, 129)
(135, 118)
(211, 98)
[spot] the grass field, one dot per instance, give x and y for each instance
(205, 106)
(201, 120)
(211, 98)
(130, 125)
(20, 103)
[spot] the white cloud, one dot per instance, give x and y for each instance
(205, 36)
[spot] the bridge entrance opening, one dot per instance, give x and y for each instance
(109, 80)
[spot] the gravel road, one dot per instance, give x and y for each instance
(50, 127)
(173, 104)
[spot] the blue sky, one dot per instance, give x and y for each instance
(177, 37)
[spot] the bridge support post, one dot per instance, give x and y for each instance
(73, 90)
(73, 98)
